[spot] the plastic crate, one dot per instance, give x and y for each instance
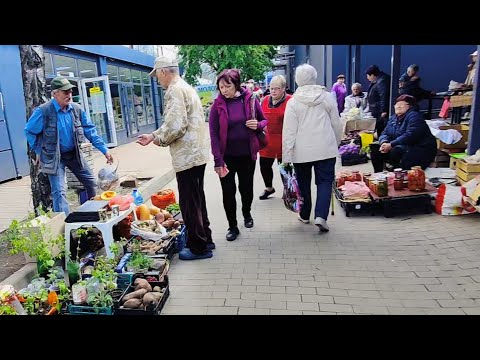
(181, 239)
(89, 310)
(158, 308)
(124, 280)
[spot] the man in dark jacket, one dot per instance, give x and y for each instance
(378, 96)
(406, 140)
(55, 132)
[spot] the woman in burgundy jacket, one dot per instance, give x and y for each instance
(235, 144)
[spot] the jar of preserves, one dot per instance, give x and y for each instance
(416, 179)
(356, 175)
(405, 175)
(398, 184)
(366, 177)
(398, 173)
(382, 187)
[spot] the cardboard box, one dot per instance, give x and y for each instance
(461, 144)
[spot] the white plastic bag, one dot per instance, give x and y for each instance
(107, 177)
(158, 231)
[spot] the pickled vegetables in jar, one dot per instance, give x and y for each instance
(416, 179)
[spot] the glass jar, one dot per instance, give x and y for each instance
(398, 184)
(382, 187)
(398, 173)
(356, 175)
(405, 175)
(416, 179)
(366, 178)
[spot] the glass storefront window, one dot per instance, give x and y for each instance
(117, 107)
(87, 69)
(138, 103)
(146, 78)
(125, 75)
(65, 66)
(48, 65)
(136, 77)
(112, 72)
(147, 92)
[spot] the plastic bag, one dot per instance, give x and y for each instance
(107, 177)
(154, 233)
(291, 194)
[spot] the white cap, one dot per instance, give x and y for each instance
(162, 62)
(475, 53)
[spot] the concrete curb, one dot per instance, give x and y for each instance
(22, 277)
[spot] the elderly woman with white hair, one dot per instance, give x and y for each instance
(356, 99)
(312, 130)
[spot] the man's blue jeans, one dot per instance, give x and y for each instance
(324, 176)
(57, 182)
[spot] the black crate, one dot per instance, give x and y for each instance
(158, 308)
(168, 251)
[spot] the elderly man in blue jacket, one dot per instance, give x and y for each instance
(406, 140)
(55, 132)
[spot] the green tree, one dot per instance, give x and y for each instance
(253, 60)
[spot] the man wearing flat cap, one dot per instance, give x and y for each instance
(55, 131)
(184, 130)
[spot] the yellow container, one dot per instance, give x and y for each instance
(367, 139)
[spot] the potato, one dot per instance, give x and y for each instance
(151, 300)
(133, 304)
(160, 217)
(157, 289)
(142, 284)
(137, 294)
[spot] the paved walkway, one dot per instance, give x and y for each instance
(411, 264)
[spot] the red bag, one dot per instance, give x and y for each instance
(445, 109)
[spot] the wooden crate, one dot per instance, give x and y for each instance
(461, 100)
(465, 176)
(468, 168)
(461, 144)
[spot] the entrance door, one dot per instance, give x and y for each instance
(98, 106)
(4, 138)
(7, 164)
(128, 107)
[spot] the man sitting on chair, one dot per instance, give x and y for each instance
(406, 140)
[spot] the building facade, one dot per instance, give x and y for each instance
(113, 87)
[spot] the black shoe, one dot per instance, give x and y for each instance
(232, 233)
(211, 246)
(248, 222)
(266, 193)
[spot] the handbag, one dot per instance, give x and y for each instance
(262, 135)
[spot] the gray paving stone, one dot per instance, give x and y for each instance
(253, 311)
(222, 310)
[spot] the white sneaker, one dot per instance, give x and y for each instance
(303, 220)
(322, 224)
